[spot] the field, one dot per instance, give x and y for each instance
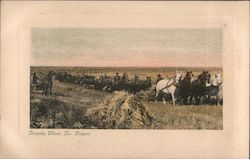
(73, 106)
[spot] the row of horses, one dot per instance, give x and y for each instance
(107, 83)
(103, 82)
(183, 87)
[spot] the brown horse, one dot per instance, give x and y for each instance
(198, 87)
(185, 87)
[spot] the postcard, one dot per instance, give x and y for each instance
(124, 79)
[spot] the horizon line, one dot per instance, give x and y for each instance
(133, 66)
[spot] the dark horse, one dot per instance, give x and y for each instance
(185, 87)
(124, 82)
(213, 91)
(47, 83)
(134, 86)
(198, 87)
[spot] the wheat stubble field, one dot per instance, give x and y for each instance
(73, 106)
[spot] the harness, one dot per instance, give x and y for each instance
(168, 85)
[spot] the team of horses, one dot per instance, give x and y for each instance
(183, 88)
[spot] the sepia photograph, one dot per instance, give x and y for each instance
(95, 78)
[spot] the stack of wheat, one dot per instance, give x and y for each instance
(122, 110)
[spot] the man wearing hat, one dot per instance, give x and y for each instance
(158, 78)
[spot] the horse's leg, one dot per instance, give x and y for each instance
(217, 100)
(191, 99)
(51, 88)
(44, 91)
(50, 91)
(188, 99)
(209, 100)
(197, 100)
(173, 98)
(164, 101)
(178, 99)
(185, 100)
(156, 96)
(47, 90)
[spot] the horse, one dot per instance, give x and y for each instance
(216, 79)
(215, 90)
(145, 84)
(108, 84)
(45, 84)
(124, 82)
(134, 85)
(34, 82)
(198, 86)
(184, 88)
(98, 84)
(168, 86)
(212, 91)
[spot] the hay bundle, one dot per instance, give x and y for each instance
(122, 110)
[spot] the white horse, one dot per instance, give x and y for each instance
(220, 95)
(168, 86)
(216, 79)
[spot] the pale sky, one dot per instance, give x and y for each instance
(127, 47)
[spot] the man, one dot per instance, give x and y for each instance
(34, 78)
(158, 78)
(117, 78)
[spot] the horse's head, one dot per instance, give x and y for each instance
(183, 75)
(148, 78)
(178, 77)
(148, 81)
(136, 79)
(216, 79)
(189, 75)
(205, 76)
(124, 75)
(51, 75)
